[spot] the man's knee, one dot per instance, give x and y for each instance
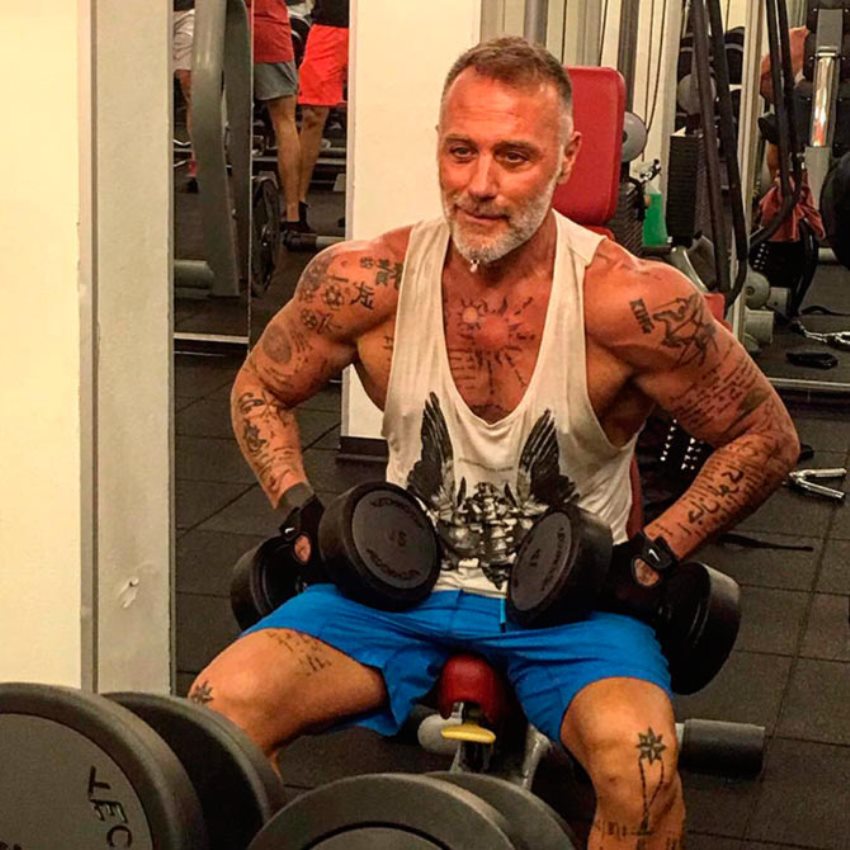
(635, 775)
(241, 693)
(314, 117)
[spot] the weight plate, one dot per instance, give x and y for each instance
(261, 582)
(540, 826)
(238, 790)
(80, 771)
(560, 568)
(389, 811)
(379, 546)
(265, 233)
(703, 613)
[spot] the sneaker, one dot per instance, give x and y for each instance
(302, 217)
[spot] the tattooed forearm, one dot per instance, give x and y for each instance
(311, 655)
(267, 433)
(735, 480)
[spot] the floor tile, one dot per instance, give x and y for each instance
(771, 620)
(199, 500)
(249, 514)
(314, 424)
(828, 631)
(804, 796)
(721, 807)
(835, 569)
(762, 678)
(792, 570)
(206, 417)
(200, 376)
(823, 433)
(817, 707)
(211, 459)
(788, 511)
(326, 472)
(205, 560)
(329, 441)
(205, 626)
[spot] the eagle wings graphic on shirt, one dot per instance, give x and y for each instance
(484, 527)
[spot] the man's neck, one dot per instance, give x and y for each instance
(534, 258)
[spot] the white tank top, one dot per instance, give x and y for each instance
(484, 483)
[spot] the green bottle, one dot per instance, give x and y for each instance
(654, 226)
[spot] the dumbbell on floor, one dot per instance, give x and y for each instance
(132, 770)
(454, 811)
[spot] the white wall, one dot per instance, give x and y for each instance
(401, 53)
(40, 512)
(85, 445)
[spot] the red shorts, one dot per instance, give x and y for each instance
(325, 66)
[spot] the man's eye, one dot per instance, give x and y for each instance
(460, 151)
(515, 157)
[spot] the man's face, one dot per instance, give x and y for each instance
(501, 155)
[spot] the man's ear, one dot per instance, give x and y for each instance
(571, 150)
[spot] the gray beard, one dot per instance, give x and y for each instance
(521, 227)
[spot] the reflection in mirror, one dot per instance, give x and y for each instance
(797, 296)
(212, 133)
(299, 142)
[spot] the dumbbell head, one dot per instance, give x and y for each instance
(81, 771)
(379, 546)
(560, 567)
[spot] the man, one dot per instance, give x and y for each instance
(276, 85)
(515, 356)
(323, 74)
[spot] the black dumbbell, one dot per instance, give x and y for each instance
(563, 571)
(134, 770)
(376, 544)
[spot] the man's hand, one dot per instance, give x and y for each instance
(302, 512)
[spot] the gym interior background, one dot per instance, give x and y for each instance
(124, 500)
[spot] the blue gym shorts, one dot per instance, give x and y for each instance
(545, 667)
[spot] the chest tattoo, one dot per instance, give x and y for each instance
(489, 345)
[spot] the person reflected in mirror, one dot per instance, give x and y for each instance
(182, 39)
(797, 40)
(323, 73)
(276, 86)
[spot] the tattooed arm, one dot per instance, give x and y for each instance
(345, 294)
(678, 356)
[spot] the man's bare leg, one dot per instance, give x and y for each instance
(282, 113)
(277, 684)
(313, 119)
(623, 733)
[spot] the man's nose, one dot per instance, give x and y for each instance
(482, 181)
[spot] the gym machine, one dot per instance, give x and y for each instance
(221, 51)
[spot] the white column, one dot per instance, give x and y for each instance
(85, 453)
(401, 53)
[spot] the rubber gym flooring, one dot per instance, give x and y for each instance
(790, 670)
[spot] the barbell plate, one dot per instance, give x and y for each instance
(540, 825)
(379, 546)
(385, 812)
(237, 788)
(81, 771)
(560, 568)
(704, 614)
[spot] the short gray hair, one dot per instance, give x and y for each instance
(515, 62)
